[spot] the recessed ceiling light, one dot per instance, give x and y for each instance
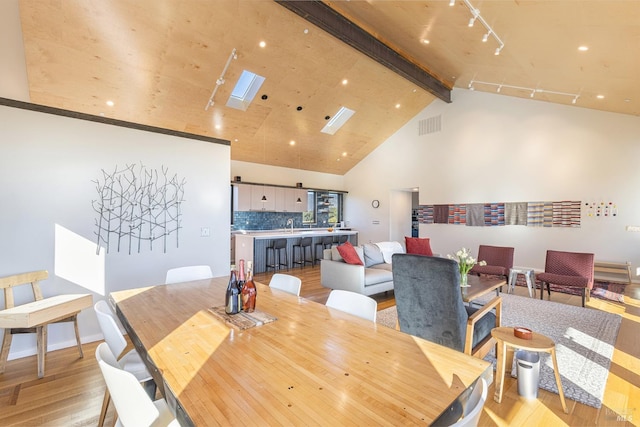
(583, 48)
(235, 140)
(218, 127)
(344, 154)
(345, 81)
(397, 105)
(600, 96)
(627, 100)
(292, 142)
(262, 43)
(425, 41)
(110, 103)
(306, 31)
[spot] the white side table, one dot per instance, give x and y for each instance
(528, 275)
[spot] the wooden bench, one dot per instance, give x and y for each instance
(613, 267)
(35, 316)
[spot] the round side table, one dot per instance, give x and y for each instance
(529, 276)
(507, 343)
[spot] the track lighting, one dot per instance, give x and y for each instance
(532, 91)
(475, 15)
(220, 80)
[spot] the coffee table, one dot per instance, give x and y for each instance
(507, 343)
(481, 285)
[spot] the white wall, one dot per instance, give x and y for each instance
(47, 164)
(494, 148)
(274, 175)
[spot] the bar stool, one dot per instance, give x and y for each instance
(276, 247)
(302, 246)
(325, 243)
(338, 240)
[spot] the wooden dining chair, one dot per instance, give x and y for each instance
(188, 274)
(35, 316)
(133, 406)
(129, 361)
(286, 282)
(353, 303)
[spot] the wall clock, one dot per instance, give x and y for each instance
(375, 203)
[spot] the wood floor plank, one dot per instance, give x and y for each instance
(71, 392)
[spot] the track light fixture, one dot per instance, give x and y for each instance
(532, 91)
(220, 80)
(475, 16)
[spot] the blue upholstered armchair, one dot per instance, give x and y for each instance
(430, 306)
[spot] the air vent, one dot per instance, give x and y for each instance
(430, 125)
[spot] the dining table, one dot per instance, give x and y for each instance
(305, 364)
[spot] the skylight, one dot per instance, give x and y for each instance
(339, 119)
(245, 90)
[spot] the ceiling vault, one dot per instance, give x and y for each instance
(340, 27)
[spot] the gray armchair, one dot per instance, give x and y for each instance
(430, 306)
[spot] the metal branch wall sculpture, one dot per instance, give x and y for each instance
(137, 206)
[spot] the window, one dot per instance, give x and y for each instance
(309, 215)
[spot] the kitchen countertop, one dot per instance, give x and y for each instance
(270, 234)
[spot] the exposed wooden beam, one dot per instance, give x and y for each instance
(340, 27)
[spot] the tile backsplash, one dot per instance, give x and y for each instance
(255, 220)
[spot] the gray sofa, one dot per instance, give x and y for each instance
(373, 277)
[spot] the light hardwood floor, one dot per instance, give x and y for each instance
(71, 392)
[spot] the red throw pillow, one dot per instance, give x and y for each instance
(349, 254)
(418, 246)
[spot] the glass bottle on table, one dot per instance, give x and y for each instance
(241, 281)
(249, 291)
(231, 300)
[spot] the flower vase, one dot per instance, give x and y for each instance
(464, 280)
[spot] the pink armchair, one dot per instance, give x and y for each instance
(499, 261)
(571, 269)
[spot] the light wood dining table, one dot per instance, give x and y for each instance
(312, 366)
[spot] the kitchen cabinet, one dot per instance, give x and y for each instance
(248, 197)
(241, 198)
(257, 192)
(286, 200)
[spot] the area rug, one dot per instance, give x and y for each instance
(602, 289)
(584, 340)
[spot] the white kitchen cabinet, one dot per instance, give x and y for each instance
(257, 204)
(241, 198)
(302, 195)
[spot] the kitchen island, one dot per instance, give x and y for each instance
(251, 245)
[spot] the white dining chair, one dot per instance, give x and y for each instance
(188, 273)
(133, 406)
(286, 282)
(473, 408)
(354, 303)
(129, 361)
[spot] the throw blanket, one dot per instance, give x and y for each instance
(388, 249)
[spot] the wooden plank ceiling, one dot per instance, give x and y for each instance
(158, 61)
